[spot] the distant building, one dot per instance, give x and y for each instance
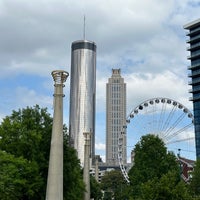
(115, 116)
(82, 95)
(132, 156)
(186, 168)
(194, 48)
(102, 169)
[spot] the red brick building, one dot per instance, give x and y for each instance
(186, 167)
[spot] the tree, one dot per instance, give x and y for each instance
(195, 182)
(114, 185)
(168, 187)
(26, 135)
(95, 189)
(151, 163)
(73, 175)
(17, 178)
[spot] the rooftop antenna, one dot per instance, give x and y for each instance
(84, 28)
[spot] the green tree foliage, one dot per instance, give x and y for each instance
(195, 182)
(95, 189)
(25, 138)
(155, 170)
(17, 178)
(73, 179)
(168, 187)
(113, 185)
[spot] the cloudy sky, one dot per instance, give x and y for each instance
(144, 38)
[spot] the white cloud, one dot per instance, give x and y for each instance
(141, 87)
(145, 39)
(42, 37)
(23, 97)
(100, 146)
(103, 157)
(26, 97)
(101, 94)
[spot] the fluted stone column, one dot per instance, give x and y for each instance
(86, 170)
(97, 169)
(55, 173)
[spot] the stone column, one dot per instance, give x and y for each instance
(55, 173)
(97, 169)
(86, 170)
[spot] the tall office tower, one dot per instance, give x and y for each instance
(194, 48)
(115, 116)
(82, 95)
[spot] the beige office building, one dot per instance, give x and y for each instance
(115, 116)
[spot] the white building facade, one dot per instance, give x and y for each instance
(115, 117)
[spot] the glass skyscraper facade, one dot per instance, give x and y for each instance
(194, 48)
(82, 95)
(115, 116)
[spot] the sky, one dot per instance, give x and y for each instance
(145, 39)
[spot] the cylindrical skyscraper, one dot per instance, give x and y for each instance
(82, 95)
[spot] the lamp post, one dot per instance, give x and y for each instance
(55, 173)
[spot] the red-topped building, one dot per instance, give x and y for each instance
(187, 167)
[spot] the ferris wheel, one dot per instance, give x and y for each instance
(168, 119)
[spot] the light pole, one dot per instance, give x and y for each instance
(55, 173)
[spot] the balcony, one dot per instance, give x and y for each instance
(192, 32)
(194, 74)
(194, 90)
(194, 82)
(193, 39)
(190, 98)
(194, 55)
(194, 46)
(194, 98)
(194, 66)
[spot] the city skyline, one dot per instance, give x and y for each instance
(145, 39)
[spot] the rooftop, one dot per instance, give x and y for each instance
(192, 24)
